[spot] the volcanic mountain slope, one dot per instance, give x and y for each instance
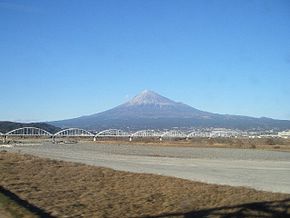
(151, 110)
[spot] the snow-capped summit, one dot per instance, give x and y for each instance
(150, 105)
(148, 97)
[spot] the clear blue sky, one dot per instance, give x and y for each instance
(66, 58)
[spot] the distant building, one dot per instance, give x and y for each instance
(284, 134)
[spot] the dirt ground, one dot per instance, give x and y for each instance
(64, 189)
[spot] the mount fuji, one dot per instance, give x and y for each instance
(149, 110)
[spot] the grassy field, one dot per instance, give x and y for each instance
(64, 189)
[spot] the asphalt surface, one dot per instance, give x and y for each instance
(259, 169)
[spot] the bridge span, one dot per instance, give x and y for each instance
(112, 133)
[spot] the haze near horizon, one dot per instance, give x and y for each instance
(60, 59)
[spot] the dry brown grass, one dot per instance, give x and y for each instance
(277, 144)
(66, 189)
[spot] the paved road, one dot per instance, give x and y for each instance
(262, 170)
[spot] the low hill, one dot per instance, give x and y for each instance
(6, 126)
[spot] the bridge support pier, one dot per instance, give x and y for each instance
(4, 139)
